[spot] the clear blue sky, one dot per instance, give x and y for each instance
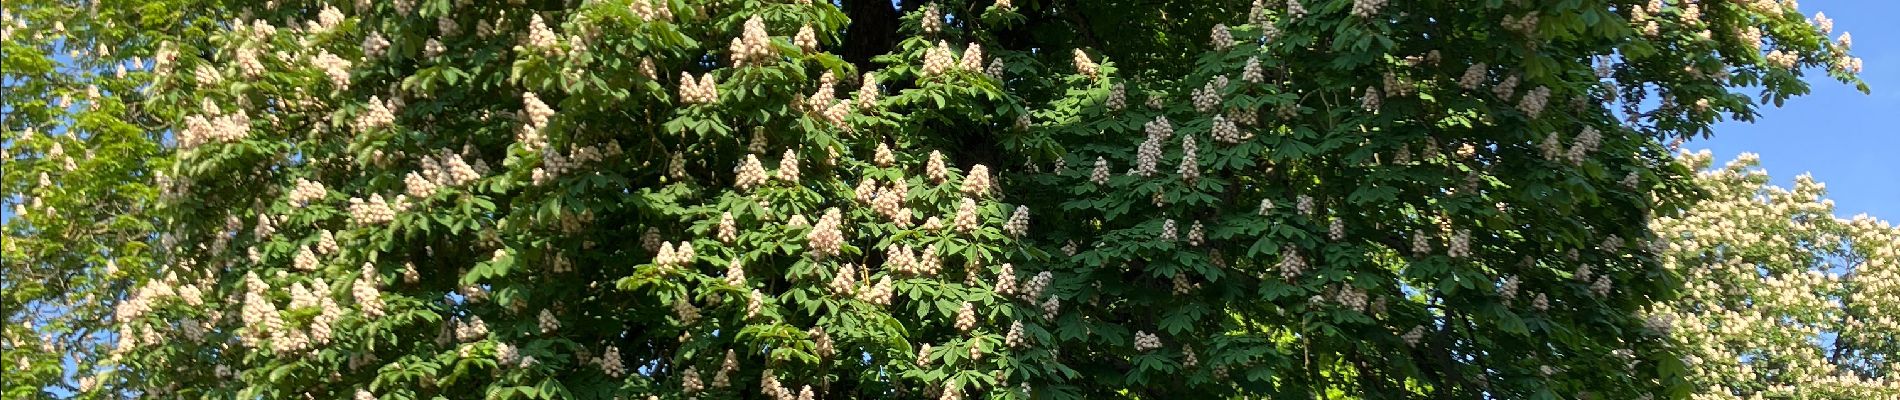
(1849, 140)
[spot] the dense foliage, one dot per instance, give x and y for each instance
(77, 154)
(1782, 299)
(796, 199)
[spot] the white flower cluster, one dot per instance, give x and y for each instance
(690, 382)
(1291, 263)
(806, 39)
(701, 91)
(1508, 288)
(1526, 24)
(540, 37)
(1366, 8)
(1222, 38)
(788, 167)
(1117, 97)
(319, 329)
(1182, 286)
(249, 65)
(305, 191)
(1534, 102)
(670, 257)
(207, 76)
(1253, 72)
(938, 60)
(304, 260)
(721, 378)
(1350, 297)
(652, 10)
(1783, 60)
(375, 45)
(326, 242)
(214, 127)
(935, 169)
(418, 187)
(538, 113)
(972, 58)
(1100, 175)
(1413, 336)
(1294, 10)
(735, 273)
(1085, 66)
(469, 330)
(1148, 154)
(966, 219)
(336, 68)
(547, 323)
(1506, 89)
(751, 173)
(977, 183)
(1036, 285)
(554, 164)
(376, 210)
(753, 47)
(821, 341)
(1145, 341)
(1190, 167)
(1016, 338)
(966, 317)
(1552, 147)
(368, 298)
(1460, 246)
(1473, 77)
(932, 20)
(867, 99)
(1168, 231)
(1196, 234)
(728, 229)
(1586, 143)
(927, 262)
(1371, 100)
(1018, 224)
(610, 362)
(1207, 98)
(433, 48)
(826, 237)
(753, 304)
(770, 387)
(879, 293)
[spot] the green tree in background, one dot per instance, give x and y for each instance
(78, 150)
(1782, 299)
(794, 199)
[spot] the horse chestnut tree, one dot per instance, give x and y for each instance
(792, 199)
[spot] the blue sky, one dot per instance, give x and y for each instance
(1849, 140)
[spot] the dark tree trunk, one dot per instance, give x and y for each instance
(873, 31)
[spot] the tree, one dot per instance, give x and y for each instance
(1782, 297)
(572, 199)
(77, 154)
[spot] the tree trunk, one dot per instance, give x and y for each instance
(873, 31)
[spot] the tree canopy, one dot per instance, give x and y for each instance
(998, 199)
